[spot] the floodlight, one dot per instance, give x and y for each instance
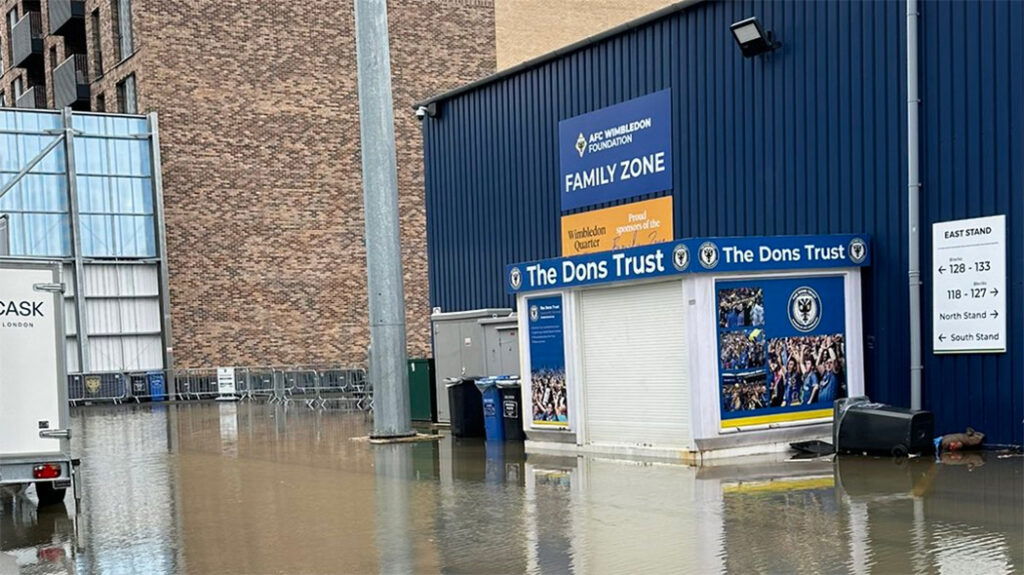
(751, 38)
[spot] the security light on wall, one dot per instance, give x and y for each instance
(752, 39)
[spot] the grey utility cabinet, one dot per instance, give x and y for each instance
(459, 349)
(501, 345)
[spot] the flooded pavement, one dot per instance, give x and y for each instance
(252, 488)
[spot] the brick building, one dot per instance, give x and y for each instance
(260, 145)
(525, 29)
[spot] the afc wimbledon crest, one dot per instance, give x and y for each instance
(681, 257)
(804, 309)
(515, 278)
(708, 255)
(534, 313)
(581, 144)
(858, 250)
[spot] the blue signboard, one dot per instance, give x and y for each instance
(693, 255)
(781, 349)
(621, 151)
(548, 391)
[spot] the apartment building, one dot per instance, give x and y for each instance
(44, 52)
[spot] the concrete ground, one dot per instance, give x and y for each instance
(252, 488)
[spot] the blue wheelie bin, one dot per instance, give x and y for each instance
(512, 409)
(157, 385)
(494, 427)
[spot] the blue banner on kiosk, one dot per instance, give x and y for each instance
(617, 152)
(548, 390)
(694, 255)
(781, 349)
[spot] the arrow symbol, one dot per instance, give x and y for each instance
(942, 270)
(942, 337)
(995, 313)
(995, 292)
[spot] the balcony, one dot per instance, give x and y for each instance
(71, 83)
(64, 12)
(27, 41)
(34, 97)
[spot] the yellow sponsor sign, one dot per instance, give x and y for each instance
(776, 418)
(636, 224)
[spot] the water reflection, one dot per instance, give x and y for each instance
(252, 488)
(35, 540)
(394, 471)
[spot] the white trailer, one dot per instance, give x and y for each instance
(35, 429)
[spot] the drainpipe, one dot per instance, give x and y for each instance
(913, 206)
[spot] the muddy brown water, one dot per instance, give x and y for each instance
(251, 488)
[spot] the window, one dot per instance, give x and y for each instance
(3, 100)
(126, 96)
(97, 45)
(19, 87)
(101, 103)
(124, 20)
(12, 19)
(121, 15)
(53, 57)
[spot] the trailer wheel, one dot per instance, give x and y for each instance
(899, 451)
(48, 495)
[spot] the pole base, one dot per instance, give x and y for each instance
(384, 440)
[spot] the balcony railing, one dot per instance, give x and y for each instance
(71, 82)
(34, 97)
(63, 12)
(27, 39)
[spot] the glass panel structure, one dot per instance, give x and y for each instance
(113, 177)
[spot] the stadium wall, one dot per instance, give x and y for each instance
(809, 139)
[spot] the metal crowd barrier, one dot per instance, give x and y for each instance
(317, 386)
(348, 386)
(97, 387)
(255, 382)
(196, 383)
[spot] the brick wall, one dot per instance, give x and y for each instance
(116, 66)
(260, 149)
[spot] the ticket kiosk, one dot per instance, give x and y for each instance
(692, 349)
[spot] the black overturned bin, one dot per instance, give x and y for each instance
(863, 426)
(512, 410)
(467, 409)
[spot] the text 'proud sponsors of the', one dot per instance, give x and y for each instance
(691, 256)
(618, 227)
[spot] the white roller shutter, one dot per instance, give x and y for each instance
(636, 386)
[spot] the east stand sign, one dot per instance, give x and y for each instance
(694, 255)
(969, 286)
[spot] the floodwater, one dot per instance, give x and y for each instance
(252, 488)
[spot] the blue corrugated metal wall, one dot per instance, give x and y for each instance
(809, 139)
(972, 150)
